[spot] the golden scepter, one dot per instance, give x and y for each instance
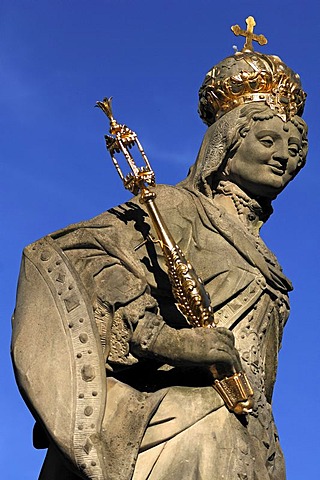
(188, 289)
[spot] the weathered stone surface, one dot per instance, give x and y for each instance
(89, 302)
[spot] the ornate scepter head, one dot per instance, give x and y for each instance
(121, 140)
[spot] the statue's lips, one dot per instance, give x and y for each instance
(277, 168)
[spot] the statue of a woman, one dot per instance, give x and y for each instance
(116, 379)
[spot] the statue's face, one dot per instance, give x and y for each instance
(267, 158)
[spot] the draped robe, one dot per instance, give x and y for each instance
(84, 290)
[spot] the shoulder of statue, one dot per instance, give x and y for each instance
(175, 197)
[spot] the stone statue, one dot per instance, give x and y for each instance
(117, 380)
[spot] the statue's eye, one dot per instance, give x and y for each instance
(293, 149)
(266, 141)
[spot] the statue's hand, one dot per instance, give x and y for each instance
(216, 347)
(194, 347)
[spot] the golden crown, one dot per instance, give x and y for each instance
(250, 76)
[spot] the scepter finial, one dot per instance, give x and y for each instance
(106, 107)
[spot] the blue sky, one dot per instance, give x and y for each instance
(57, 58)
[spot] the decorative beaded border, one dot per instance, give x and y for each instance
(228, 315)
(88, 367)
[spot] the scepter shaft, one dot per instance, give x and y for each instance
(187, 287)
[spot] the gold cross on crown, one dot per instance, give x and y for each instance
(249, 35)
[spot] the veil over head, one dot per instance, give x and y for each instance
(216, 144)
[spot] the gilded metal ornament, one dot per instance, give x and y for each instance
(249, 76)
(249, 35)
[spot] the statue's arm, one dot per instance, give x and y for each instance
(109, 268)
(153, 338)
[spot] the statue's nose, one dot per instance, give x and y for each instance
(281, 154)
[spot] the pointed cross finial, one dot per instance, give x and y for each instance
(249, 35)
